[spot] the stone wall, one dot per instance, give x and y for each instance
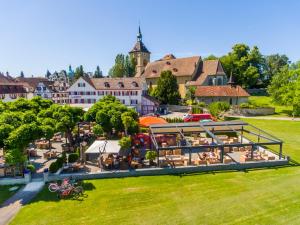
(264, 111)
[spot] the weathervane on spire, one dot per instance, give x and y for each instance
(139, 35)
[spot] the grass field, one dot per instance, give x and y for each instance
(268, 196)
(265, 100)
(5, 193)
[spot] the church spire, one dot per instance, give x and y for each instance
(231, 80)
(139, 35)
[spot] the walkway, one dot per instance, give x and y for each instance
(12, 205)
(265, 117)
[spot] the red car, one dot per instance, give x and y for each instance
(198, 117)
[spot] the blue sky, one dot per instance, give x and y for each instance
(51, 34)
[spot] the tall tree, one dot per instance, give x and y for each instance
(210, 57)
(98, 73)
(285, 88)
(167, 89)
(245, 63)
(79, 72)
(273, 64)
(124, 66)
(22, 74)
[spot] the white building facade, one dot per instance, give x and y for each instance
(129, 90)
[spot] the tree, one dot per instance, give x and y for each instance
(98, 73)
(190, 93)
(127, 122)
(167, 88)
(125, 143)
(22, 74)
(98, 130)
(247, 65)
(48, 74)
(47, 132)
(124, 66)
(285, 88)
(5, 130)
(273, 64)
(79, 72)
(108, 114)
(65, 117)
(211, 57)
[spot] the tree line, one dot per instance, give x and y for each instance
(24, 121)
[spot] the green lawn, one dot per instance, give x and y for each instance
(268, 196)
(5, 193)
(288, 131)
(265, 100)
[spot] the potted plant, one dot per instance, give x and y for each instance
(151, 155)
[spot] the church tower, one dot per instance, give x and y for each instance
(141, 54)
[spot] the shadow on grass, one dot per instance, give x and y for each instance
(235, 171)
(46, 196)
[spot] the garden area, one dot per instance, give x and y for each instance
(272, 195)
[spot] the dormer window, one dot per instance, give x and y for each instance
(168, 63)
(175, 69)
(121, 84)
(154, 71)
(134, 84)
(106, 84)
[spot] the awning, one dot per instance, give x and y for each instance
(111, 146)
(146, 121)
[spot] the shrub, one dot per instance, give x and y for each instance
(54, 167)
(151, 155)
(64, 157)
(31, 167)
(201, 104)
(216, 108)
(98, 130)
(73, 157)
(144, 129)
(125, 143)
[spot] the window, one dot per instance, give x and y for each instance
(133, 102)
(134, 84)
(76, 101)
(44, 88)
(121, 85)
(210, 82)
(81, 100)
(220, 81)
(81, 84)
(106, 84)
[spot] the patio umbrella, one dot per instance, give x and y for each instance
(146, 121)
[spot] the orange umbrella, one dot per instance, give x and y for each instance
(146, 121)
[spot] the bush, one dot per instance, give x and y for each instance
(98, 130)
(201, 104)
(216, 108)
(31, 167)
(64, 157)
(73, 157)
(54, 167)
(144, 129)
(174, 120)
(196, 110)
(60, 161)
(125, 143)
(151, 155)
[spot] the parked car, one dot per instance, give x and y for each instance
(205, 117)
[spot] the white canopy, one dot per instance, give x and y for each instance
(112, 146)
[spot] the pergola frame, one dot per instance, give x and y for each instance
(212, 129)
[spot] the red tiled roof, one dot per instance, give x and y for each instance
(220, 91)
(210, 67)
(131, 83)
(178, 66)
